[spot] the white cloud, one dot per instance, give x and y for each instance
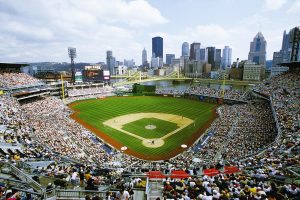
(42, 30)
(134, 13)
(270, 5)
(295, 8)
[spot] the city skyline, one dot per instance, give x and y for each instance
(42, 31)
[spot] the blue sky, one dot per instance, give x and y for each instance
(42, 30)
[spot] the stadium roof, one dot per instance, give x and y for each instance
(295, 64)
(16, 65)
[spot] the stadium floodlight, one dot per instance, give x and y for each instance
(72, 55)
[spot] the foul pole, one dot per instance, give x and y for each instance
(223, 89)
(62, 88)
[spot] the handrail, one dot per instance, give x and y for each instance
(30, 192)
(78, 193)
(24, 177)
(292, 171)
(12, 180)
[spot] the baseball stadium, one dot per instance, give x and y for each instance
(144, 139)
(67, 141)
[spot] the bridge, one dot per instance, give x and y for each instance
(139, 77)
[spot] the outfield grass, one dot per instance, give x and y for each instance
(94, 112)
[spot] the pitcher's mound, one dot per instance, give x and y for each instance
(150, 127)
(153, 143)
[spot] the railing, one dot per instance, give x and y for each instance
(74, 194)
(24, 177)
(279, 133)
(216, 97)
(290, 169)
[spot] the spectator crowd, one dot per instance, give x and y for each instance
(205, 91)
(8, 80)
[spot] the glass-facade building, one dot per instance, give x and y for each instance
(185, 49)
(257, 52)
(226, 58)
(157, 47)
(169, 58)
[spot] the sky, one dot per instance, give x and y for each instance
(42, 30)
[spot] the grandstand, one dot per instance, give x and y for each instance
(251, 151)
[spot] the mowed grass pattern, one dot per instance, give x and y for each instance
(138, 127)
(94, 112)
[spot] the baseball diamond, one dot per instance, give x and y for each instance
(153, 128)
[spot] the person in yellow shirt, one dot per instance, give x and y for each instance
(87, 176)
(252, 190)
(16, 157)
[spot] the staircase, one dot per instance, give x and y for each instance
(156, 189)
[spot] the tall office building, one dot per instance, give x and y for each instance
(211, 53)
(157, 47)
(185, 49)
(144, 57)
(226, 58)
(217, 60)
(194, 47)
(294, 36)
(284, 54)
(203, 55)
(257, 52)
(110, 62)
(169, 58)
(197, 54)
(285, 42)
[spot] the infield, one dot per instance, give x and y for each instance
(123, 121)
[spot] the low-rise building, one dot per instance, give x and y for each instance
(252, 71)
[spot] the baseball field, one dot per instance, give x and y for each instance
(152, 128)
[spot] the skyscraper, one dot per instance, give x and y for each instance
(144, 56)
(257, 52)
(157, 47)
(217, 60)
(194, 47)
(169, 58)
(185, 49)
(285, 42)
(110, 62)
(203, 55)
(294, 36)
(226, 58)
(211, 52)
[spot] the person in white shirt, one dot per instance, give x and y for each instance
(123, 194)
(74, 177)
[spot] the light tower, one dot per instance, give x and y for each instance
(72, 55)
